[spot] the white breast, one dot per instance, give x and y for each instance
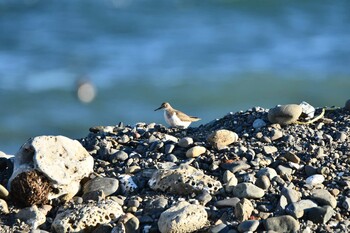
(174, 121)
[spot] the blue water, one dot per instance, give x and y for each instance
(207, 58)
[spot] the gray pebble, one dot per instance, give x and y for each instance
(323, 197)
(185, 142)
(247, 190)
(319, 214)
(229, 202)
(118, 156)
(108, 185)
(263, 182)
(284, 223)
(248, 226)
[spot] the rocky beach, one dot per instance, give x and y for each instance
(284, 169)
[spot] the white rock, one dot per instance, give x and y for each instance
(315, 179)
(87, 216)
(62, 160)
(307, 109)
(127, 183)
(182, 218)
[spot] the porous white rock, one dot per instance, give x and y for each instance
(62, 160)
(182, 218)
(86, 217)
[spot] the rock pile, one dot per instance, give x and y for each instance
(250, 171)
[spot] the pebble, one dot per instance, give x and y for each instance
(259, 123)
(270, 149)
(248, 226)
(276, 134)
(247, 190)
(229, 202)
(118, 156)
(219, 228)
(195, 151)
(319, 214)
(291, 194)
(268, 171)
(185, 142)
(263, 182)
(222, 138)
(315, 179)
(107, 185)
(323, 197)
(284, 223)
(290, 156)
(297, 209)
(285, 114)
(244, 209)
(182, 217)
(169, 148)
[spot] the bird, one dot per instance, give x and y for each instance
(176, 118)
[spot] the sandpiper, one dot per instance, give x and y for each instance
(176, 118)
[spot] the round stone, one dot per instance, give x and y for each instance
(285, 114)
(185, 142)
(195, 151)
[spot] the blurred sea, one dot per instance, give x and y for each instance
(206, 58)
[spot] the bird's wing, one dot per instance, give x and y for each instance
(185, 117)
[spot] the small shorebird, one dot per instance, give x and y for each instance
(176, 118)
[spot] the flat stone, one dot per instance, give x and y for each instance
(247, 190)
(315, 179)
(263, 182)
(269, 172)
(297, 209)
(291, 194)
(292, 157)
(270, 149)
(248, 226)
(219, 228)
(284, 223)
(107, 185)
(323, 197)
(183, 217)
(185, 142)
(118, 156)
(229, 202)
(285, 114)
(96, 195)
(284, 171)
(195, 151)
(276, 134)
(231, 184)
(243, 209)
(222, 138)
(319, 214)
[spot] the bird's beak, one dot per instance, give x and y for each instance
(158, 108)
